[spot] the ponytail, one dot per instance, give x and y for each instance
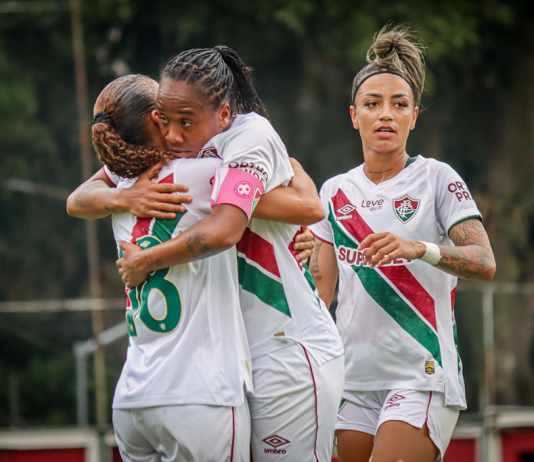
(220, 74)
(245, 96)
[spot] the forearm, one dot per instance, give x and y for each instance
(468, 262)
(288, 205)
(472, 256)
(324, 269)
(193, 244)
(297, 203)
(94, 200)
(209, 236)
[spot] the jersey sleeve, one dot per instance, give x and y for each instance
(255, 161)
(112, 177)
(322, 229)
(454, 202)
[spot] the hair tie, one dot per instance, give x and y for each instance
(374, 69)
(103, 117)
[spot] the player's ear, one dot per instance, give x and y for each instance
(154, 116)
(224, 115)
(415, 116)
(354, 116)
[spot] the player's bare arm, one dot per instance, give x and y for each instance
(97, 197)
(213, 234)
(323, 266)
(471, 257)
(298, 203)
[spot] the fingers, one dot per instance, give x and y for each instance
(379, 248)
(304, 256)
(171, 198)
(159, 215)
(123, 273)
(162, 210)
(295, 163)
(386, 255)
(169, 187)
(152, 172)
(306, 245)
(371, 239)
(305, 235)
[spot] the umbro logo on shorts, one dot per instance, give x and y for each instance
(394, 400)
(275, 442)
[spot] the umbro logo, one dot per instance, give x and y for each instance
(275, 442)
(394, 400)
(343, 213)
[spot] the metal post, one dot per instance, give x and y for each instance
(91, 229)
(82, 414)
(489, 447)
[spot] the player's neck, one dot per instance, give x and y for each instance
(381, 167)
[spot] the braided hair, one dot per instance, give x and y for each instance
(119, 133)
(220, 74)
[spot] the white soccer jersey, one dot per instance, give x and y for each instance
(277, 295)
(187, 336)
(397, 321)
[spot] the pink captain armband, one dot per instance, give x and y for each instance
(241, 189)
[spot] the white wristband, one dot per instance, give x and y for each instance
(432, 253)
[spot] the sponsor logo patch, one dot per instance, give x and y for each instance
(345, 212)
(355, 257)
(372, 205)
(405, 208)
(460, 191)
(430, 367)
(250, 167)
(275, 442)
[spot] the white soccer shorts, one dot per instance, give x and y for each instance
(365, 411)
(294, 406)
(183, 433)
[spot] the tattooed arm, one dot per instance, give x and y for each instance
(213, 234)
(472, 255)
(324, 269)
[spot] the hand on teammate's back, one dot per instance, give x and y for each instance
(146, 198)
(129, 271)
(304, 245)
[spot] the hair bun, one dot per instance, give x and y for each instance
(396, 48)
(388, 45)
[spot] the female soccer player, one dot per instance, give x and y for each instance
(399, 231)
(161, 411)
(188, 361)
(207, 103)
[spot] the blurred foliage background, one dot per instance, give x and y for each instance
(478, 116)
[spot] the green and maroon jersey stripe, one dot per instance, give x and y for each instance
(399, 276)
(264, 284)
(161, 228)
(258, 250)
(384, 295)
